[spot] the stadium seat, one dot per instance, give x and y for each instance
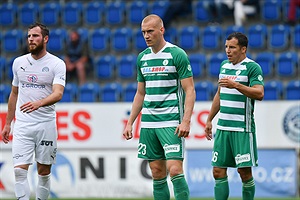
(12, 41)
(159, 7)
(126, 67)
(296, 36)
(93, 13)
(8, 68)
(267, 62)
(198, 64)
(257, 36)
(70, 92)
(50, 14)
(105, 67)
(292, 90)
(29, 13)
(286, 64)
(233, 28)
(137, 10)
(111, 92)
(273, 90)
(171, 35)
(211, 38)
(200, 13)
(271, 10)
(115, 13)
(4, 92)
(121, 39)
(279, 37)
(129, 91)
(57, 40)
(84, 33)
(2, 67)
(189, 37)
(8, 14)
(138, 40)
(89, 92)
(72, 13)
(204, 90)
(214, 64)
(99, 40)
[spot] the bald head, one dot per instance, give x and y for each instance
(154, 19)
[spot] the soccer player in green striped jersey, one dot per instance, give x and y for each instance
(240, 84)
(166, 97)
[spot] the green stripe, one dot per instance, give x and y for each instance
(159, 117)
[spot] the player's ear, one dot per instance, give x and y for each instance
(46, 38)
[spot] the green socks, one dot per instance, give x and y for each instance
(181, 189)
(161, 189)
(249, 189)
(221, 189)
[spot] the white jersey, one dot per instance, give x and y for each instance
(35, 79)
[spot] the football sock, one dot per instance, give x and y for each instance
(22, 189)
(161, 189)
(249, 189)
(221, 188)
(43, 187)
(181, 189)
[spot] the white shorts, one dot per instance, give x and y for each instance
(38, 138)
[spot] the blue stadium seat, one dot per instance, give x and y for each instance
(200, 13)
(121, 39)
(8, 14)
(273, 90)
(72, 13)
(84, 33)
(211, 38)
(126, 67)
(198, 63)
(93, 13)
(171, 35)
(57, 40)
(29, 13)
(296, 36)
(12, 41)
(105, 67)
(267, 62)
(292, 90)
(99, 40)
(159, 7)
(8, 68)
(257, 36)
(287, 64)
(2, 67)
(271, 10)
(50, 13)
(233, 28)
(189, 37)
(111, 92)
(279, 37)
(4, 92)
(137, 10)
(129, 91)
(214, 64)
(138, 40)
(204, 90)
(89, 92)
(70, 92)
(115, 13)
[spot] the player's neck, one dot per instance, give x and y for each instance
(39, 55)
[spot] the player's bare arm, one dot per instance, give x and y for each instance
(136, 109)
(215, 107)
(255, 92)
(183, 129)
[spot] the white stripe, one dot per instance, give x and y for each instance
(251, 148)
(159, 124)
(225, 90)
(166, 83)
(227, 128)
(232, 104)
(237, 66)
(160, 97)
(162, 55)
(156, 111)
(232, 117)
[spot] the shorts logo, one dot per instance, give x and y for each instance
(242, 158)
(291, 123)
(171, 148)
(17, 156)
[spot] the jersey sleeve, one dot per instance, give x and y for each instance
(60, 73)
(15, 81)
(182, 64)
(140, 77)
(256, 75)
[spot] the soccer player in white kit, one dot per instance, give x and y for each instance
(38, 83)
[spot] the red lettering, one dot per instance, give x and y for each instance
(202, 123)
(136, 133)
(86, 130)
(61, 125)
(2, 121)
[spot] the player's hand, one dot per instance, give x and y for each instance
(208, 130)
(30, 106)
(127, 133)
(183, 129)
(5, 134)
(228, 83)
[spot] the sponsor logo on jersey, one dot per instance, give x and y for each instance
(154, 69)
(30, 85)
(32, 78)
(291, 123)
(171, 148)
(242, 158)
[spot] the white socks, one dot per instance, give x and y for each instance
(43, 187)
(22, 189)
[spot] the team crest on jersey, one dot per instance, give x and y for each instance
(165, 62)
(260, 78)
(32, 78)
(238, 72)
(189, 68)
(45, 69)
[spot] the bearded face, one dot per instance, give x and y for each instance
(35, 48)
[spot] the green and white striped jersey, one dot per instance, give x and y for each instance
(162, 71)
(236, 110)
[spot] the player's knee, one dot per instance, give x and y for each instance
(20, 174)
(219, 172)
(175, 170)
(245, 173)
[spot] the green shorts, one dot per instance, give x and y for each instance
(160, 144)
(234, 149)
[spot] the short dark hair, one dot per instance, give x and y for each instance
(242, 38)
(45, 30)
